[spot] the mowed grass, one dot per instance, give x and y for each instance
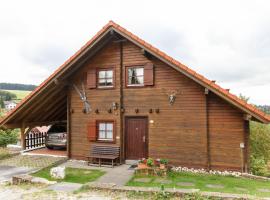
(21, 94)
(73, 175)
(237, 185)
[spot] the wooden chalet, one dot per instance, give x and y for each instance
(120, 90)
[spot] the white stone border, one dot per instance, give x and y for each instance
(203, 171)
(221, 173)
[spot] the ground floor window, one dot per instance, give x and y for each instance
(105, 130)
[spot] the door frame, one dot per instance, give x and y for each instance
(146, 134)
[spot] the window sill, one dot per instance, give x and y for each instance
(105, 87)
(105, 141)
(134, 86)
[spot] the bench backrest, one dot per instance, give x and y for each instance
(105, 150)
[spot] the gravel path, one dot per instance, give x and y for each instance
(31, 161)
(39, 192)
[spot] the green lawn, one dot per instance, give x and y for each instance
(19, 93)
(231, 184)
(73, 175)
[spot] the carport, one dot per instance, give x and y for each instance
(49, 102)
(43, 107)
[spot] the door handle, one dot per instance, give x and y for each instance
(143, 138)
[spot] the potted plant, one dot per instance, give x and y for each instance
(142, 164)
(150, 162)
(163, 163)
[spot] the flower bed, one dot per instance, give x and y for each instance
(152, 167)
(203, 171)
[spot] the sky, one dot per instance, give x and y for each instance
(227, 41)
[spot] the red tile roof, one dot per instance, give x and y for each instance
(256, 113)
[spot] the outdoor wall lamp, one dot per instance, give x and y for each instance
(114, 105)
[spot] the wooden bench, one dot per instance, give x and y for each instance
(100, 152)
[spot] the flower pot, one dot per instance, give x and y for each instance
(162, 166)
(142, 166)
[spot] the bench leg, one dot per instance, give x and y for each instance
(99, 162)
(112, 162)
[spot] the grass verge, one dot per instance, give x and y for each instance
(73, 175)
(230, 184)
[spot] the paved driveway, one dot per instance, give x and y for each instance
(7, 172)
(24, 164)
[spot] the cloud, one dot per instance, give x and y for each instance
(227, 41)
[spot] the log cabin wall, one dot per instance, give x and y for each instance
(101, 99)
(227, 131)
(179, 131)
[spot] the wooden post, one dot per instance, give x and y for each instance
(246, 150)
(68, 124)
(207, 130)
(23, 136)
(242, 158)
(23, 144)
(24, 132)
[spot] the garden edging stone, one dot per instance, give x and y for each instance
(177, 192)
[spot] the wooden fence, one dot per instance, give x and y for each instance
(34, 140)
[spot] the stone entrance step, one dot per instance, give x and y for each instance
(132, 162)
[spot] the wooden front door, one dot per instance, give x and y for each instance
(136, 138)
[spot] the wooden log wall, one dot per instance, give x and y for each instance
(179, 131)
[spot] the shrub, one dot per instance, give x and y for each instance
(8, 136)
(260, 140)
(260, 148)
(164, 161)
(258, 166)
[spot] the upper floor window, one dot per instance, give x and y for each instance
(135, 76)
(105, 78)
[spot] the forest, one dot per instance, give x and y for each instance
(16, 86)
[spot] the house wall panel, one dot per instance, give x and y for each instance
(179, 131)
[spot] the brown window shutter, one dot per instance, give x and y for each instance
(149, 74)
(91, 78)
(92, 131)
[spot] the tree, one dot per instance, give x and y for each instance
(7, 96)
(2, 105)
(8, 136)
(16, 86)
(243, 97)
